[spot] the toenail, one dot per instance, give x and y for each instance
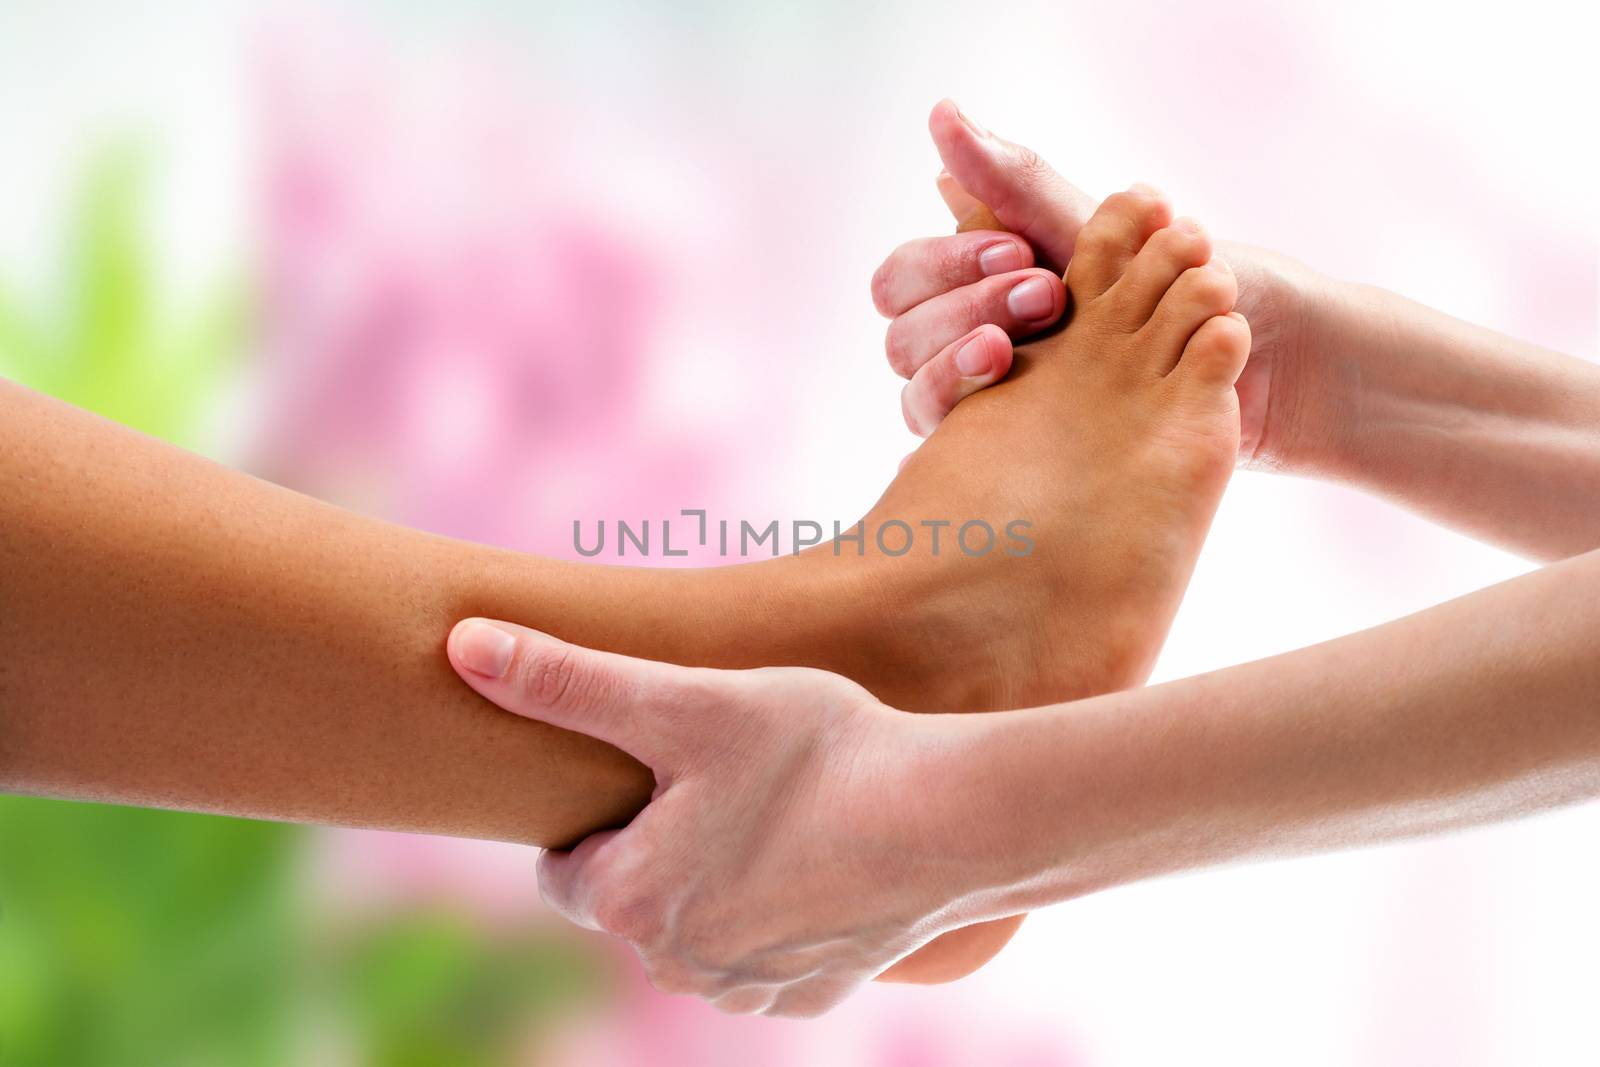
(972, 358)
(1189, 225)
(1001, 257)
(1144, 189)
(1031, 301)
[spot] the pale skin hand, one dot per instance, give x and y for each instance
(768, 800)
(775, 868)
(1490, 435)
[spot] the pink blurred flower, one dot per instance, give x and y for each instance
(455, 336)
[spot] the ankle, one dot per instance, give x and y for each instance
(960, 633)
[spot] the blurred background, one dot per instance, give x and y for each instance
(393, 254)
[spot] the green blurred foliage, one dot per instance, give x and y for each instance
(126, 936)
(429, 989)
(143, 937)
(107, 347)
(132, 937)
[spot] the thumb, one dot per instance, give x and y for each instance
(610, 697)
(1030, 199)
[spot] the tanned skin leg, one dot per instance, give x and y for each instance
(176, 634)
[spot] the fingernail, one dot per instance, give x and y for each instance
(484, 648)
(1001, 257)
(972, 358)
(971, 125)
(1031, 300)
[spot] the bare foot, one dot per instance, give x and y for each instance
(1114, 439)
(1279, 388)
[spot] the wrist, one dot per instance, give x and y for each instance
(1295, 391)
(1005, 829)
(964, 830)
(1045, 805)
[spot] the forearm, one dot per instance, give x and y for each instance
(1476, 430)
(1484, 708)
(176, 634)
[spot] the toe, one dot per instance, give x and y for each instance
(1112, 237)
(1200, 293)
(1169, 252)
(1216, 354)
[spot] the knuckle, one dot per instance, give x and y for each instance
(1030, 166)
(687, 699)
(955, 262)
(978, 304)
(631, 913)
(550, 676)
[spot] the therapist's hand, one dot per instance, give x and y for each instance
(957, 302)
(779, 863)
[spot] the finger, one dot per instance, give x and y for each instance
(965, 366)
(811, 998)
(1021, 304)
(928, 266)
(617, 699)
(565, 883)
(618, 881)
(1025, 194)
(746, 1000)
(674, 979)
